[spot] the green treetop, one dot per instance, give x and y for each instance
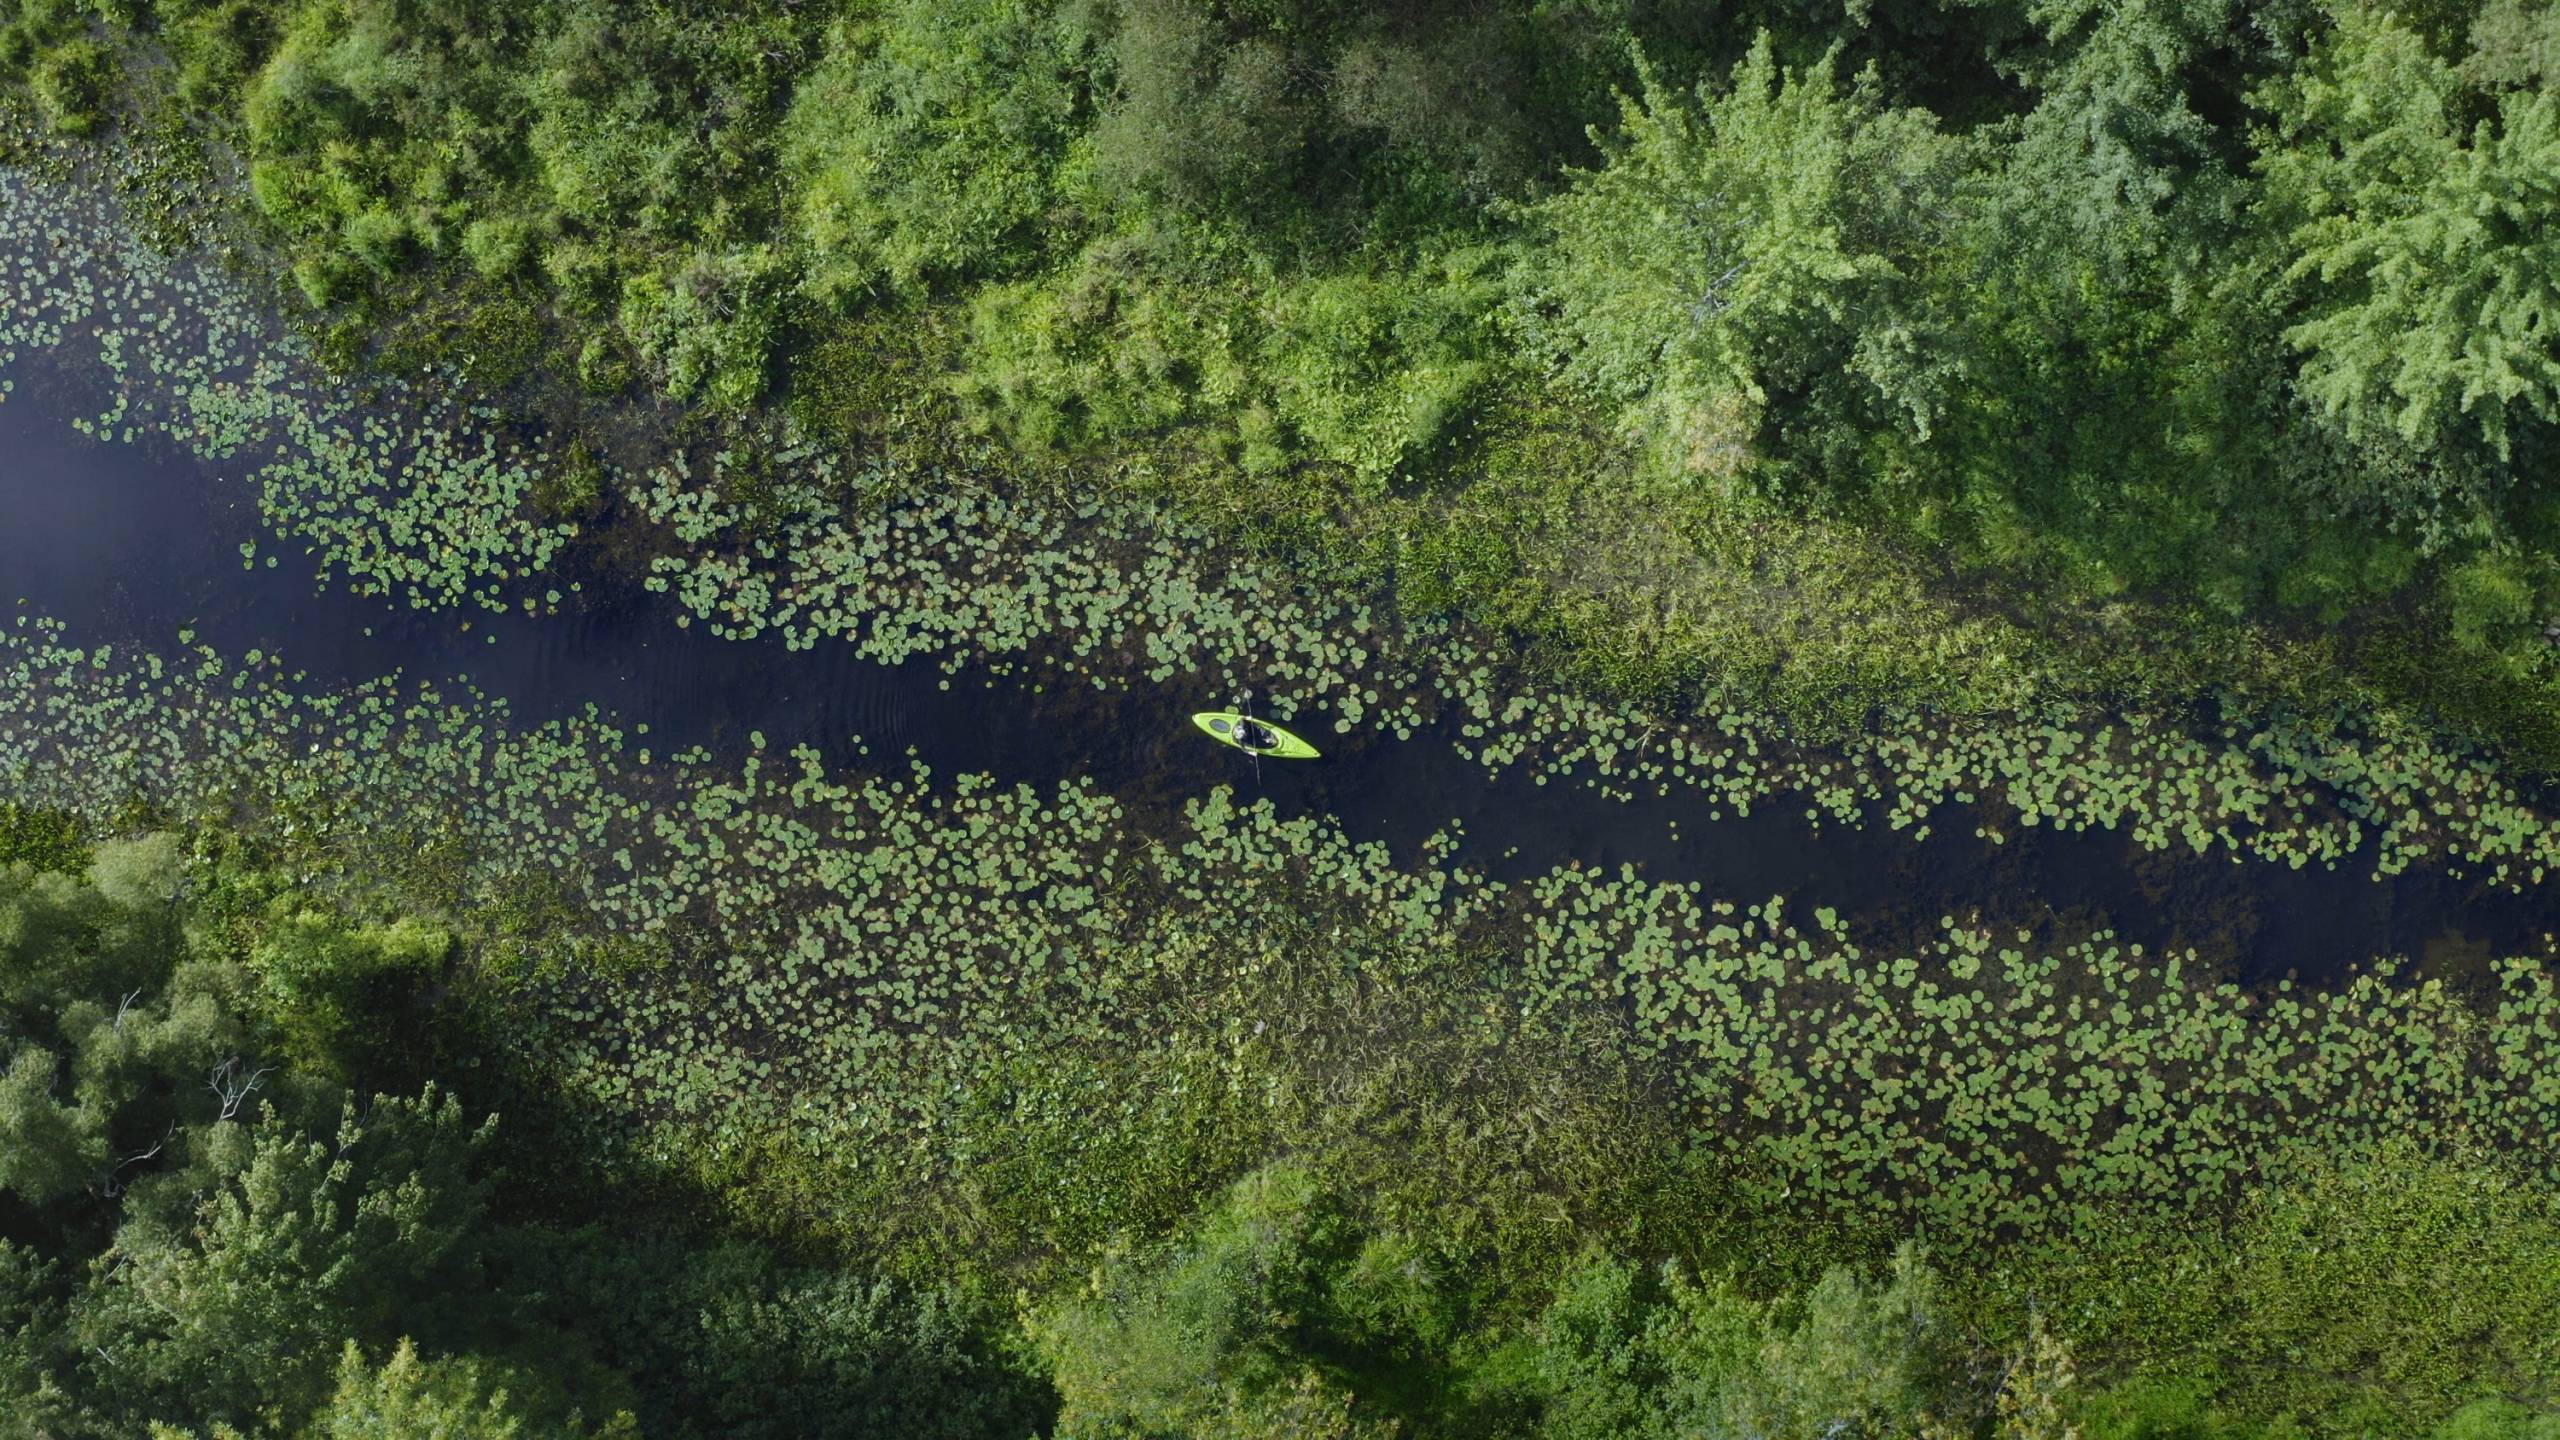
(2419, 218)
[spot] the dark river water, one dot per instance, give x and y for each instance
(127, 544)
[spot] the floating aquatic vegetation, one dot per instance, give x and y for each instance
(410, 496)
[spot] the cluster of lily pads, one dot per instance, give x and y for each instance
(847, 959)
(942, 567)
(410, 496)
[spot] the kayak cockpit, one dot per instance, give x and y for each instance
(1246, 733)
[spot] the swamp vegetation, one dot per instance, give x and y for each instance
(1944, 423)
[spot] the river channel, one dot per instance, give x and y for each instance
(129, 543)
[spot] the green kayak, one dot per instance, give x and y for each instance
(1279, 744)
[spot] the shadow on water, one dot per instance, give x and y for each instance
(129, 543)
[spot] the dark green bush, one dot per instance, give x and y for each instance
(40, 839)
(75, 85)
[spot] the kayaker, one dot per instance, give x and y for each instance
(1252, 736)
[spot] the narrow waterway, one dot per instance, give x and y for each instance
(130, 543)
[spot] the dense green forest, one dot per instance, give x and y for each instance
(1926, 403)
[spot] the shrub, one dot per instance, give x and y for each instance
(497, 245)
(2489, 609)
(924, 143)
(74, 84)
(329, 986)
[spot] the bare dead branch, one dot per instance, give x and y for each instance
(232, 1088)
